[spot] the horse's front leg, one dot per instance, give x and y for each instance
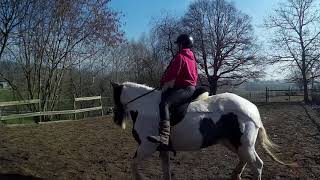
(143, 152)
(165, 162)
(135, 169)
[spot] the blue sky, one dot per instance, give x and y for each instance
(138, 14)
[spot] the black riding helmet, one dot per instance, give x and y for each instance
(185, 40)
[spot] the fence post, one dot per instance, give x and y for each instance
(40, 117)
(74, 106)
(267, 94)
(289, 93)
(101, 105)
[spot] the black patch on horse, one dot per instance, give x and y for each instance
(136, 136)
(178, 112)
(134, 115)
(117, 90)
(226, 128)
(118, 112)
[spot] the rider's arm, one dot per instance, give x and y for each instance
(172, 72)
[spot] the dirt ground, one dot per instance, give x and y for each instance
(98, 149)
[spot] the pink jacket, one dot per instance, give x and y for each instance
(182, 69)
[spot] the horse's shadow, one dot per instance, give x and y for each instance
(12, 176)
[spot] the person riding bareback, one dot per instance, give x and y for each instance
(177, 84)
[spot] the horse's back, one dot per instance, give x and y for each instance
(209, 113)
(228, 103)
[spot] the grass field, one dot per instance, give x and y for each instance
(19, 121)
(5, 95)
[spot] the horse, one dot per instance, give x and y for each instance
(226, 119)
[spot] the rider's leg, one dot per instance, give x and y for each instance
(164, 124)
(169, 98)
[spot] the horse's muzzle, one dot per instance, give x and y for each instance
(118, 115)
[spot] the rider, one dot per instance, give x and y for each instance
(178, 84)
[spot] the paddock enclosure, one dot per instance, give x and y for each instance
(96, 148)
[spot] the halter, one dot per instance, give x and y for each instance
(141, 96)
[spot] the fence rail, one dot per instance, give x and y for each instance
(15, 103)
(278, 95)
(87, 98)
(49, 113)
(288, 94)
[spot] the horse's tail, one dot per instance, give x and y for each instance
(268, 146)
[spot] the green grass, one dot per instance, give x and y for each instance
(5, 95)
(28, 120)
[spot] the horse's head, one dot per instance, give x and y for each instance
(129, 97)
(119, 112)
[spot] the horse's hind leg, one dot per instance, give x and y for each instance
(251, 157)
(236, 174)
(247, 150)
(258, 164)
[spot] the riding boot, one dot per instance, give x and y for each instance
(164, 135)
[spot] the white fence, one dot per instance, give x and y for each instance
(74, 111)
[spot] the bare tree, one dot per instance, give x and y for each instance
(296, 38)
(12, 13)
(142, 64)
(164, 32)
(224, 42)
(56, 36)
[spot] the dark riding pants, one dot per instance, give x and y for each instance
(174, 97)
(170, 97)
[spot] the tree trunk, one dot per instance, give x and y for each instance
(305, 90)
(213, 82)
(304, 74)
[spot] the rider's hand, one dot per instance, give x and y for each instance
(167, 85)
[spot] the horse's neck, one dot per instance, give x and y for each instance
(146, 110)
(146, 104)
(133, 92)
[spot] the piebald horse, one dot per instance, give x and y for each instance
(225, 118)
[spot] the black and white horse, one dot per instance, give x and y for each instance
(225, 118)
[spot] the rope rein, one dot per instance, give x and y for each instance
(141, 96)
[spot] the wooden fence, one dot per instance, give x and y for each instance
(278, 95)
(74, 111)
(290, 95)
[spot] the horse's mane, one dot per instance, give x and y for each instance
(137, 86)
